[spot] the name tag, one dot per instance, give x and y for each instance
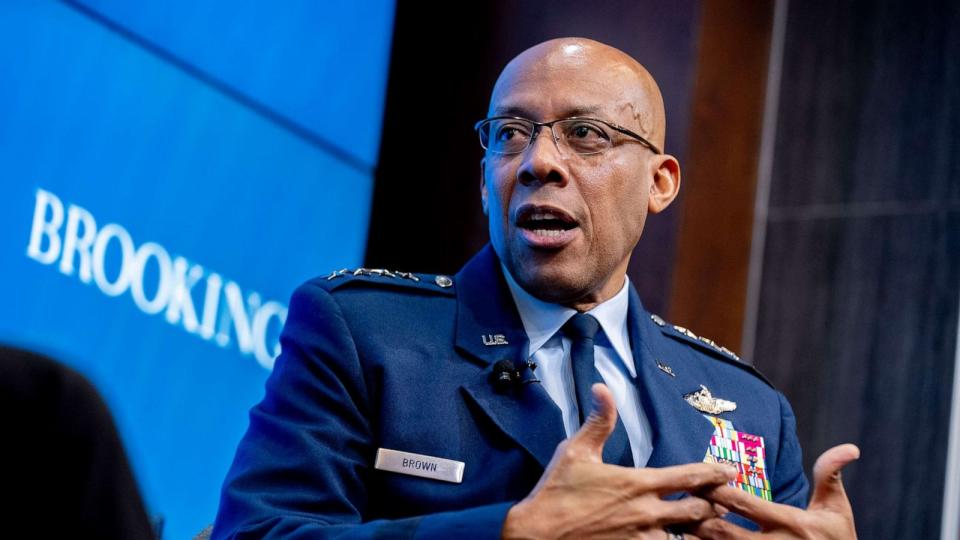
(436, 468)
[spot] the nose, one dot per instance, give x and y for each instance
(542, 161)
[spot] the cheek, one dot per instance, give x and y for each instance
(619, 207)
(635, 213)
(498, 196)
(499, 193)
(498, 200)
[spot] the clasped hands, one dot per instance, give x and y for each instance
(579, 496)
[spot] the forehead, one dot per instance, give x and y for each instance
(550, 88)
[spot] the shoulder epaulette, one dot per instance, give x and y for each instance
(379, 276)
(682, 334)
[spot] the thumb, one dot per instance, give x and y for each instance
(828, 489)
(599, 425)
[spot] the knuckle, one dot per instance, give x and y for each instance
(801, 521)
(720, 529)
(691, 478)
(565, 450)
(724, 533)
(741, 506)
(699, 509)
(707, 473)
(718, 473)
(570, 453)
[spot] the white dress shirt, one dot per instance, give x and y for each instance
(613, 358)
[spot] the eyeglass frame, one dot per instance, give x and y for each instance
(538, 125)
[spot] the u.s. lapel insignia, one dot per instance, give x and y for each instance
(494, 339)
(703, 401)
(666, 369)
(744, 451)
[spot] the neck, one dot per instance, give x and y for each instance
(608, 290)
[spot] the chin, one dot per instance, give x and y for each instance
(556, 283)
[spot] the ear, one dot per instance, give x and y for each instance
(666, 183)
(483, 185)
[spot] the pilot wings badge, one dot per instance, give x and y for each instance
(703, 401)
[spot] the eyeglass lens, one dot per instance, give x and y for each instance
(512, 136)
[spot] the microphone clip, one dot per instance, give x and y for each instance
(506, 376)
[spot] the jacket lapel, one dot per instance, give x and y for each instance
(489, 329)
(680, 433)
(527, 414)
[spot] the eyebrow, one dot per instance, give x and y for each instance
(514, 110)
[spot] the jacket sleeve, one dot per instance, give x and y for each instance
(302, 467)
(790, 484)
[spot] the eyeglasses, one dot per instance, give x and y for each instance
(583, 136)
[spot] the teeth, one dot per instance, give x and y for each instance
(543, 215)
(551, 233)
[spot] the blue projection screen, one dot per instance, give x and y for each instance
(169, 175)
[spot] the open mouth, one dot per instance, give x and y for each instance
(545, 222)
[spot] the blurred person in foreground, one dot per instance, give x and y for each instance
(430, 406)
(66, 474)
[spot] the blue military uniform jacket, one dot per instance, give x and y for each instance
(384, 360)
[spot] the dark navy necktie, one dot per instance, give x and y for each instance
(581, 329)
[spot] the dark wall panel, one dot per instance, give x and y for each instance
(857, 325)
(720, 178)
(869, 104)
(858, 310)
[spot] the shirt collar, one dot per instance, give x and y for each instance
(542, 320)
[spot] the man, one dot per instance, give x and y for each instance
(426, 406)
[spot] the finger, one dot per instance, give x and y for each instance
(718, 529)
(720, 509)
(690, 477)
(660, 513)
(765, 513)
(828, 489)
(599, 425)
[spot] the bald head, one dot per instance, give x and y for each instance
(587, 63)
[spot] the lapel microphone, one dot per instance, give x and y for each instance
(506, 375)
